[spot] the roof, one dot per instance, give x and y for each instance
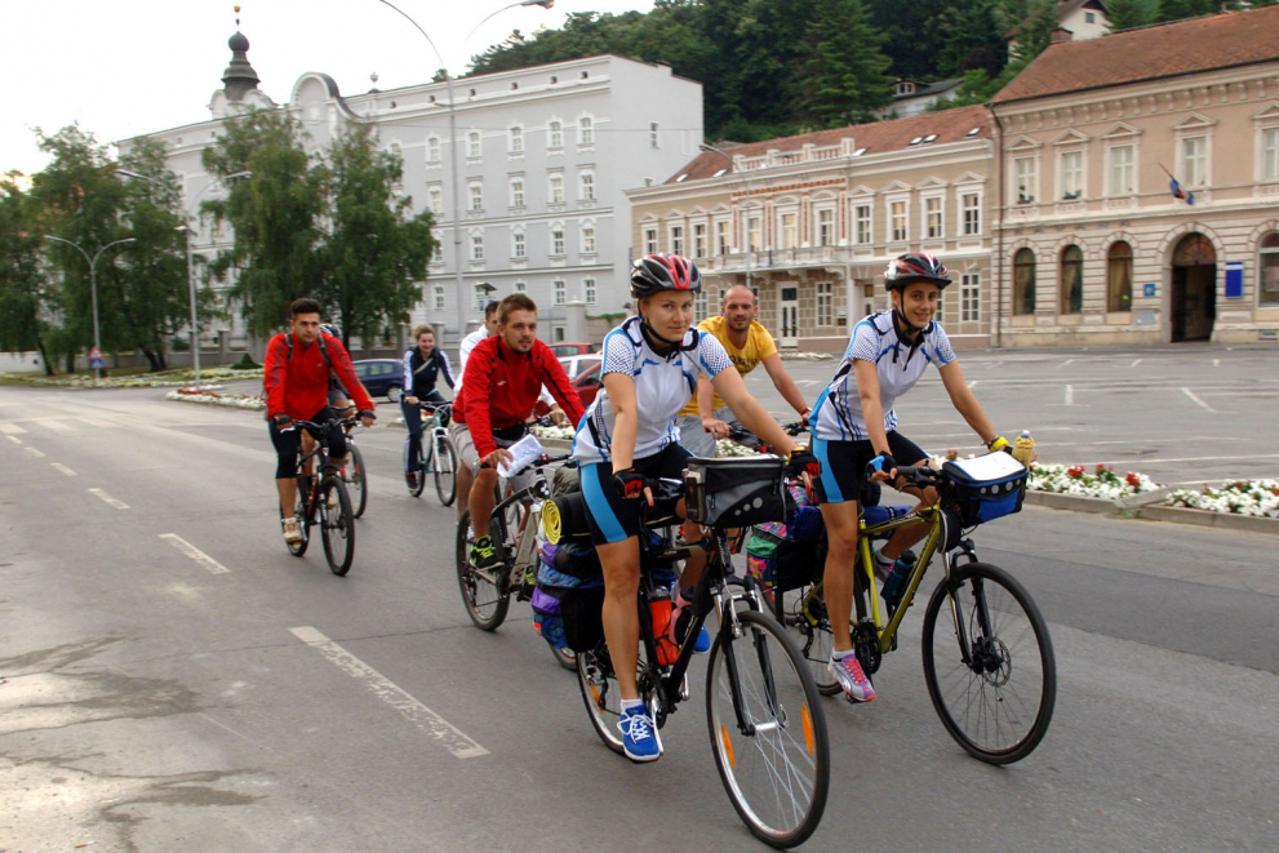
(953, 125)
(1186, 47)
(925, 89)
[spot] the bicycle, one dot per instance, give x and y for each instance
(314, 495)
(354, 473)
(513, 527)
(766, 726)
(440, 459)
(972, 681)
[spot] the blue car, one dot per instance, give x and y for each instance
(380, 375)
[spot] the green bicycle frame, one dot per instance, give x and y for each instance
(931, 514)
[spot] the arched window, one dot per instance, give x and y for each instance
(1024, 282)
(1070, 295)
(1268, 286)
(1119, 277)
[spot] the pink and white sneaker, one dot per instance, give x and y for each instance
(848, 672)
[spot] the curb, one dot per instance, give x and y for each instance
(1077, 503)
(1220, 520)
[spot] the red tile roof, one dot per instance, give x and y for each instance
(1202, 44)
(950, 125)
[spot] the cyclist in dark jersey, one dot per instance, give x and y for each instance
(424, 366)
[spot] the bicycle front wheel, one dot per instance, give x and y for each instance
(414, 470)
(992, 677)
(445, 471)
(298, 548)
(337, 525)
(803, 614)
(767, 731)
(483, 595)
(357, 481)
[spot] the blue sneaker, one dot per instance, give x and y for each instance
(640, 741)
(681, 618)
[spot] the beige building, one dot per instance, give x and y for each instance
(811, 221)
(1096, 249)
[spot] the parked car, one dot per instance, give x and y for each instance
(563, 349)
(380, 375)
(575, 364)
(586, 381)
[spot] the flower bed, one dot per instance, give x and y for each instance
(1258, 498)
(163, 379)
(210, 396)
(1100, 482)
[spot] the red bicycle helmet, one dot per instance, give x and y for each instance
(915, 266)
(657, 272)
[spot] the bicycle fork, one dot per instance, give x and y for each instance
(731, 629)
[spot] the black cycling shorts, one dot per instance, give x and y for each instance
(844, 464)
(288, 443)
(613, 517)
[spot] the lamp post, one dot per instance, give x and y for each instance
(453, 145)
(750, 251)
(93, 282)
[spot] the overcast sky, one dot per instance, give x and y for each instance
(135, 66)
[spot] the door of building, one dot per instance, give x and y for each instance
(1193, 298)
(789, 310)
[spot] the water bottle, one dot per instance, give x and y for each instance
(895, 583)
(659, 605)
(1024, 448)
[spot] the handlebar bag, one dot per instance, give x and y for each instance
(986, 487)
(735, 492)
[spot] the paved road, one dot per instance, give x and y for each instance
(252, 701)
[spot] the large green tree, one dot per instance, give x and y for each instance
(26, 298)
(1127, 14)
(845, 77)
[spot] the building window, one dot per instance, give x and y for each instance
(1090, 17)
(1268, 287)
(517, 244)
(699, 240)
(1070, 296)
(1119, 277)
(588, 239)
(557, 241)
(861, 217)
(557, 292)
(650, 240)
(934, 222)
(897, 220)
(970, 297)
(477, 247)
(520, 287)
(585, 131)
(435, 196)
(1026, 179)
(1024, 282)
(1120, 171)
(588, 290)
(516, 140)
(473, 147)
(699, 304)
(586, 186)
(653, 136)
(1270, 154)
(754, 232)
(439, 297)
(677, 239)
(826, 227)
(1070, 168)
(790, 230)
(517, 192)
(825, 303)
(940, 314)
(1194, 161)
(477, 197)
(722, 239)
(555, 189)
(432, 149)
(971, 205)
(555, 135)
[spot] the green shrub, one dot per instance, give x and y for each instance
(246, 362)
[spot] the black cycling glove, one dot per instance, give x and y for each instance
(282, 421)
(630, 483)
(801, 461)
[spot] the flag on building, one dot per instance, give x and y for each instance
(1178, 192)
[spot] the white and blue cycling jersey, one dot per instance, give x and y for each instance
(837, 415)
(663, 384)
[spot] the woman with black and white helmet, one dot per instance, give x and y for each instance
(855, 438)
(628, 437)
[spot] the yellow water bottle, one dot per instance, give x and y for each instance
(1024, 448)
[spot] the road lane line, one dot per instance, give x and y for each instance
(205, 561)
(1135, 362)
(11, 429)
(973, 384)
(107, 499)
(1197, 401)
(1070, 395)
(14, 439)
(1216, 362)
(1116, 461)
(1064, 363)
(383, 688)
(39, 454)
(53, 425)
(58, 466)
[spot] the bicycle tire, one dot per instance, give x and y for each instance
(357, 482)
(472, 585)
(565, 657)
(298, 548)
(445, 472)
(600, 693)
(994, 657)
(789, 726)
(416, 469)
(811, 632)
(337, 526)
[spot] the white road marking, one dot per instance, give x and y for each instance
(37, 453)
(205, 561)
(107, 499)
(1216, 362)
(53, 425)
(14, 439)
(1186, 459)
(1135, 362)
(1064, 363)
(11, 429)
(973, 384)
(1197, 401)
(383, 688)
(58, 466)
(1070, 395)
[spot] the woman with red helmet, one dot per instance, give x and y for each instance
(628, 436)
(855, 438)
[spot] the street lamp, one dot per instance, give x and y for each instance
(453, 145)
(93, 282)
(750, 250)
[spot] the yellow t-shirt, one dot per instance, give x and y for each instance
(759, 346)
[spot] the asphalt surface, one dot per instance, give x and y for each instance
(244, 699)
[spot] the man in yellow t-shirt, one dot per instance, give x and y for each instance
(705, 418)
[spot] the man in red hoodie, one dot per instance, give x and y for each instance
(503, 377)
(298, 367)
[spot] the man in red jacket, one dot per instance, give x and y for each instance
(500, 386)
(299, 365)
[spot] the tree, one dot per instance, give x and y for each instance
(845, 78)
(971, 39)
(375, 252)
(1126, 14)
(1175, 10)
(25, 293)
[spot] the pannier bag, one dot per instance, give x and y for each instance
(986, 487)
(785, 556)
(735, 492)
(568, 597)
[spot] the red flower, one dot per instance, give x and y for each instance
(1075, 472)
(1133, 480)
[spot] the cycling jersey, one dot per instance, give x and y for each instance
(663, 384)
(296, 378)
(421, 374)
(837, 414)
(759, 346)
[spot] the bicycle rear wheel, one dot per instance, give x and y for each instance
(483, 595)
(337, 525)
(414, 470)
(445, 471)
(996, 699)
(357, 481)
(768, 732)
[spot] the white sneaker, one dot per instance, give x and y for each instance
(292, 530)
(848, 672)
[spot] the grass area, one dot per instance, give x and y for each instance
(132, 377)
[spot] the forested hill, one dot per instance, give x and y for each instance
(775, 67)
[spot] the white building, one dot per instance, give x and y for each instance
(544, 156)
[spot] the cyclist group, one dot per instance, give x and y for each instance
(669, 389)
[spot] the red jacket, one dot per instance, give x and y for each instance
(500, 387)
(298, 386)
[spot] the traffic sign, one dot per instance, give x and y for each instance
(95, 358)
